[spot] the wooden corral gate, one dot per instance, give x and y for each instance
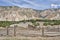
(20, 31)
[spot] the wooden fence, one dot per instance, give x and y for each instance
(19, 31)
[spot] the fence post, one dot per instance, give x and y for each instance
(7, 30)
(15, 30)
(58, 28)
(42, 31)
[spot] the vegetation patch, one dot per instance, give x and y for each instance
(46, 22)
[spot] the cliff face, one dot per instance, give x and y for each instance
(13, 13)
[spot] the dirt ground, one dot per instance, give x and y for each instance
(28, 34)
(29, 38)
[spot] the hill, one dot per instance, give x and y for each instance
(14, 13)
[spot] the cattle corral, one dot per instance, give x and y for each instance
(27, 31)
(30, 31)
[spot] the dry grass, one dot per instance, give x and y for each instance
(29, 38)
(24, 37)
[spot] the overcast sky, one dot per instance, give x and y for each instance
(35, 4)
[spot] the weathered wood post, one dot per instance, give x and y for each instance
(58, 28)
(14, 30)
(7, 30)
(42, 31)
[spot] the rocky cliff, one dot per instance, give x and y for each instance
(13, 13)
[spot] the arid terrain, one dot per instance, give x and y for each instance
(25, 32)
(14, 13)
(29, 38)
(28, 30)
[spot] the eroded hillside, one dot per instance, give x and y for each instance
(13, 13)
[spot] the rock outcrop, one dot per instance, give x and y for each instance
(13, 13)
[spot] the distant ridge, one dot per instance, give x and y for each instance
(14, 13)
